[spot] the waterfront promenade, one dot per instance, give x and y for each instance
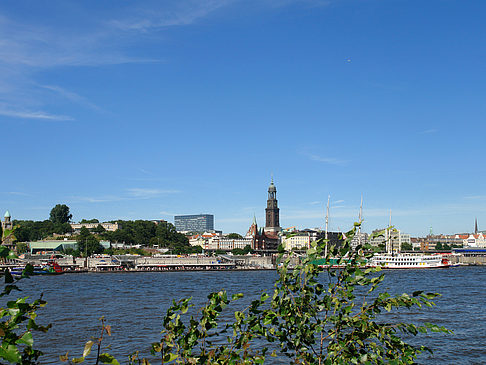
(135, 263)
(128, 263)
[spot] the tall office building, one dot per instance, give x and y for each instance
(194, 223)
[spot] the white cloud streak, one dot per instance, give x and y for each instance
(328, 160)
(179, 14)
(130, 194)
(33, 115)
(69, 95)
(102, 38)
(144, 193)
(429, 131)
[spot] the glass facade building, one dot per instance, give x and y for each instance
(194, 223)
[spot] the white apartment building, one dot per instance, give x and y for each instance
(215, 241)
(359, 239)
(107, 226)
(298, 242)
(395, 240)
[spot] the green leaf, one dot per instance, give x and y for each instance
(87, 348)
(28, 270)
(26, 339)
(108, 359)
(10, 353)
(237, 296)
(4, 251)
(8, 277)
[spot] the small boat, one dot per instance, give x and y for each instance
(50, 268)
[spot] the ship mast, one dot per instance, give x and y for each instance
(327, 222)
(389, 248)
(360, 220)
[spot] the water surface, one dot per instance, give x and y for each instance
(134, 305)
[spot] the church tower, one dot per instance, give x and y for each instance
(7, 223)
(272, 222)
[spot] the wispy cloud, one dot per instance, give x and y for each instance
(328, 160)
(239, 220)
(146, 172)
(176, 14)
(475, 197)
(168, 213)
(100, 199)
(144, 193)
(72, 96)
(18, 193)
(99, 38)
(429, 131)
(311, 3)
(26, 49)
(128, 194)
(24, 114)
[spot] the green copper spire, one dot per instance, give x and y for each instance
(7, 214)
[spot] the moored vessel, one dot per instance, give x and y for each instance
(408, 261)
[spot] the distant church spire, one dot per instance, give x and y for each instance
(476, 226)
(272, 221)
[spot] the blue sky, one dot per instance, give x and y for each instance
(148, 109)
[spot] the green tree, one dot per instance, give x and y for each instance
(234, 236)
(89, 221)
(407, 246)
(22, 247)
(87, 243)
(60, 214)
(99, 229)
(241, 251)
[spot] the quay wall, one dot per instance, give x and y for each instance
(469, 260)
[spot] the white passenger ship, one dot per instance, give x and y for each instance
(394, 259)
(408, 261)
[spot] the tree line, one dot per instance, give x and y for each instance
(138, 232)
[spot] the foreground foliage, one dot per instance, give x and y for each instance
(17, 320)
(315, 315)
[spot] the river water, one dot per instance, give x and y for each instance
(134, 305)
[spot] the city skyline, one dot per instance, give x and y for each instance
(151, 110)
